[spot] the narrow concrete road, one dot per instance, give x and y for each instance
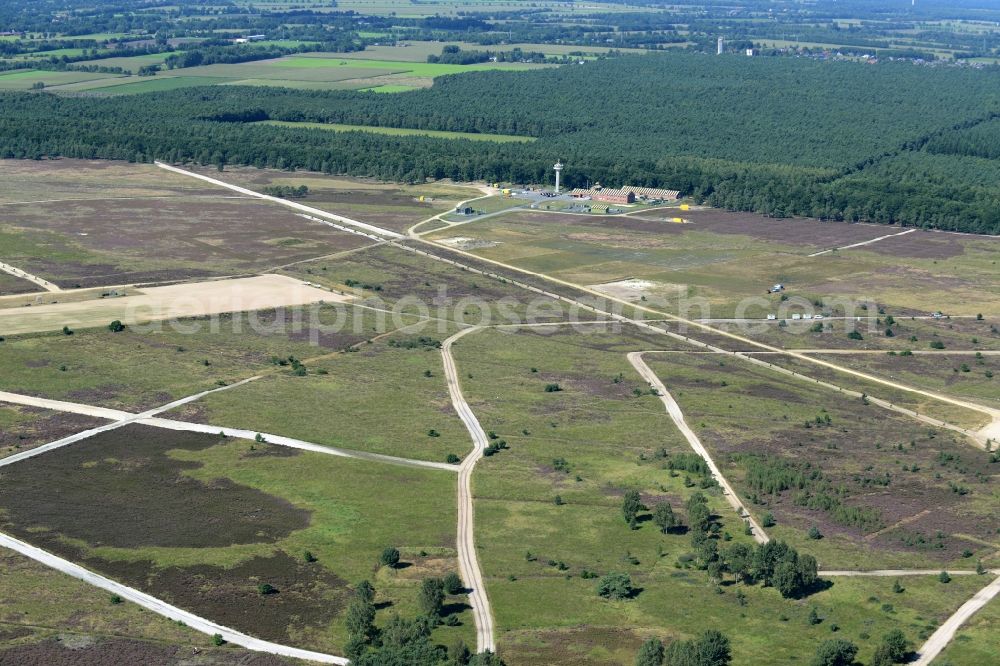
(946, 632)
(468, 560)
(674, 410)
(121, 418)
(867, 242)
(279, 440)
(63, 406)
(17, 272)
(149, 417)
(161, 607)
(285, 202)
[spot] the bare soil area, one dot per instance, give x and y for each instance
(174, 301)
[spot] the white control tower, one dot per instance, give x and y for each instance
(558, 169)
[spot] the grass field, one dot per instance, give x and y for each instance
(266, 506)
(604, 432)
(401, 131)
(962, 376)
(377, 400)
(96, 366)
(976, 641)
(723, 261)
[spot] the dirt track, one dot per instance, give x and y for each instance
(159, 303)
(468, 561)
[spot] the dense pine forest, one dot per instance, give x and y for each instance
(892, 143)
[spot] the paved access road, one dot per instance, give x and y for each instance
(468, 561)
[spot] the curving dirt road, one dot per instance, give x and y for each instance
(674, 410)
(161, 607)
(468, 561)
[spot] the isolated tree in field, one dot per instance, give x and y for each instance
(836, 652)
(615, 585)
(894, 649)
(389, 557)
(431, 597)
(713, 649)
(650, 653)
(631, 505)
(664, 517)
(453, 583)
(116, 326)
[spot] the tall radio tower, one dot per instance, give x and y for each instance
(558, 169)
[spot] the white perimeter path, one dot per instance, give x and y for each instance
(674, 410)
(17, 272)
(867, 242)
(284, 202)
(468, 561)
(161, 607)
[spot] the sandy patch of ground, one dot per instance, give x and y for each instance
(634, 289)
(157, 303)
(466, 243)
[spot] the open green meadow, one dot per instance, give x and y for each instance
(92, 365)
(389, 397)
(722, 259)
